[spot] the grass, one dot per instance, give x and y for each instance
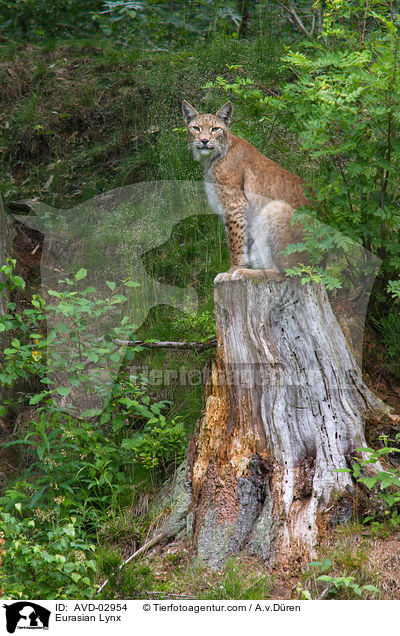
(347, 564)
(172, 576)
(86, 116)
(97, 115)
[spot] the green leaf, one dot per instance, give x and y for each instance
(37, 496)
(316, 564)
(19, 282)
(69, 530)
(37, 398)
(118, 422)
(63, 390)
(371, 588)
(92, 412)
(80, 274)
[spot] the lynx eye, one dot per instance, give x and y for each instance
(195, 128)
(215, 129)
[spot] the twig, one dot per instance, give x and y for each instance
(172, 595)
(291, 10)
(144, 547)
(265, 88)
(324, 593)
(251, 585)
(106, 89)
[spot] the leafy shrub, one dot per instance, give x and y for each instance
(334, 586)
(167, 21)
(159, 442)
(384, 484)
(76, 469)
(45, 560)
(160, 20)
(394, 289)
(37, 18)
(79, 471)
(344, 106)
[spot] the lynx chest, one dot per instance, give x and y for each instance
(212, 196)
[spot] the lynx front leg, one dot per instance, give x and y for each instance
(236, 227)
(235, 224)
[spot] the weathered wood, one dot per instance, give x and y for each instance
(197, 347)
(284, 407)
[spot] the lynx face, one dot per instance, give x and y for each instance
(208, 135)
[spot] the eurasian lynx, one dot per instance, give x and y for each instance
(254, 196)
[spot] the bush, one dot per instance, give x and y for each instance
(344, 106)
(38, 18)
(79, 471)
(45, 560)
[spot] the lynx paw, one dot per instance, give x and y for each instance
(222, 278)
(244, 272)
(257, 274)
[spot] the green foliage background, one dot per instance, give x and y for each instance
(90, 101)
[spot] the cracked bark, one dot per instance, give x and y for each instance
(284, 405)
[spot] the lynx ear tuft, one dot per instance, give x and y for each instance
(189, 112)
(225, 113)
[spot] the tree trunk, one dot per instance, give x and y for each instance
(243, 9)
(284, 405)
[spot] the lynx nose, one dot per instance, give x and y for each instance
(204, 142)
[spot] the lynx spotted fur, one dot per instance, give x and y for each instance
(254, 196)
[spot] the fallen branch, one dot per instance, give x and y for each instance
(171, 595)
(194, 346)
(144, 547)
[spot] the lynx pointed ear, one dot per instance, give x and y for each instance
(189, 112)
(225, 113)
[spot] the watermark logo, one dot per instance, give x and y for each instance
(26, 615)
(107, 239)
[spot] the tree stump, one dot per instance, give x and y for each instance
(285, 404)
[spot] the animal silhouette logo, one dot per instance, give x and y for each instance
(109, 237)
(26, 615)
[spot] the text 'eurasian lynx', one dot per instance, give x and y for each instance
(254, 196)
